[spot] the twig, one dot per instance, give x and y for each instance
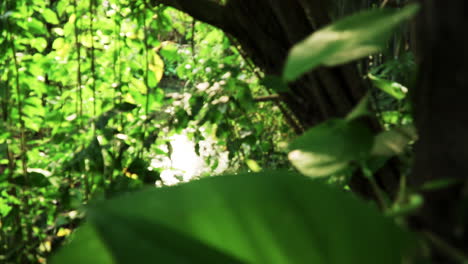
(446, 248)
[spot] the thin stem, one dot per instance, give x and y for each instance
(146, 77)
(79, 102)
(194, 23)
(384, 3)
(79, 105)
(93, 60)
(446, 248)
(23, 147)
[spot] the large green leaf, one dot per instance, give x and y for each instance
(331, 147)
(270, 217)
(348, 39)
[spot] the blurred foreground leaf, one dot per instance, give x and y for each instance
(270, 217)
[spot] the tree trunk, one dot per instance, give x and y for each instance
(266, 31)
(440, 108)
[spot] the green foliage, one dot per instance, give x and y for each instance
(393, 142)
(394, 89)
(280, 217)
(348, 39)
(333, 147)
(91, 95)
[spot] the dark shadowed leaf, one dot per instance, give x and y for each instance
(394, 142)
(361, 109)
(34, 179)
(275, 83)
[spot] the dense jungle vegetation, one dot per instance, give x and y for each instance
(237, 131)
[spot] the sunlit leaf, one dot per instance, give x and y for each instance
(169, 51)
(331, 147)
(157, 67)
(5, 208)
(394, 89)
(253, 165)
(33, 123)
(273, 217)
(348, 39)
(39, 43)
(58, 31)
(63, 232)
(58, 43)
(50, 16)
(36, 27)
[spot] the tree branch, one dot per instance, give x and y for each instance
(207, 11)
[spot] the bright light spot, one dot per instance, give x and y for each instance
(121, 136)
(203, 86)
(168, 177)
(184, 157)
(71, 117)
(227, 75)
(40, 171)
(185, 164)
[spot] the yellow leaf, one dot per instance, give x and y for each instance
(157, 67)
(253, 165)
(45, 246)
(63, 232)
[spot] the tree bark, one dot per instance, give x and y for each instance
(440, 110)
(267, 30)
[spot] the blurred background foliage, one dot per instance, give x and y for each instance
(100, 98)
(96, 95)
